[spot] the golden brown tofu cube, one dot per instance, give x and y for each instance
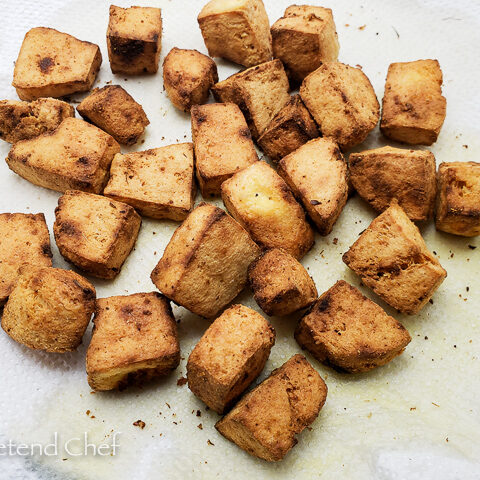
(199, 269)
(54, 64)
(413, 106)
(384, 174)
(49, 309)
(158, 183)
(76, 155)
(238, 30)
(223, 144)
(391, 258)
(265, 421)
(134, 340)
(458, 199)
(280, 283)
(349, 332)
(342, 101)
(229, 356)
(134, 39)
(95, 233)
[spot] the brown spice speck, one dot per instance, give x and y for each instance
(140, 424)
(181, 381)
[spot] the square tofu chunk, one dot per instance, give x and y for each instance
(391, 258)
(134, 340)
(342, 101)
(266, 420)
(347, 331)
(134, 39)
(280, 283)
(458, 200)
(199, 269)
(49, 309)
(76, 155)
(238, 30)
(261, 202)
(54, 64)
(158, 183)
(384, 174)
(317, 175)
(413, 106)
(229, 356)
(223, 144)
(95, 233)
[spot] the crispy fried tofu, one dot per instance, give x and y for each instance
(265, 421)
(229, 356)
(54, 64)
(391, 258)
(95, 233)
(199, 269)
(413, 106)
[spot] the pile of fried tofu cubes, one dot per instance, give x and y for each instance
(272, 208)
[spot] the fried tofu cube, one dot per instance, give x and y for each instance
(342, 101)
(266, 420)
(54, 64)
(237, 30)
(458, 199)
(413, 106)
(95, 233)
(384, 174)
(223, 144)
(134, 340)
(280, 283)
(229, 356)
(76, 155)
(199, 269)
(49, 309)
(158, 183)
(391, 258)
(303, 39)
(134, 39)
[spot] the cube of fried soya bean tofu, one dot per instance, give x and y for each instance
(76, 155)
(199, 269)
(391, 258)
(317, 175)
(134, 39)
(342, 101)
(280, 283)
(238, 30)
(54, 64)
(413, 106)
(223, 144)
(158, 183)
(346, 330)
(134, 340)
(458, 198)
(95, 233)
(261, 202)
(266, 420)
(383, 174)
(229, 356)
(49, 309)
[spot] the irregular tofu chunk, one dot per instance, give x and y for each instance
(229, 356)
(54, 64)
(199, 269)
(347, 331)
(262, 203)
(391, 258)
(95, 233)
(265, 421)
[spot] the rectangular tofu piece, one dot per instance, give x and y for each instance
(54, 64)
(229, 356)
(199, 269)
(223, 144)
